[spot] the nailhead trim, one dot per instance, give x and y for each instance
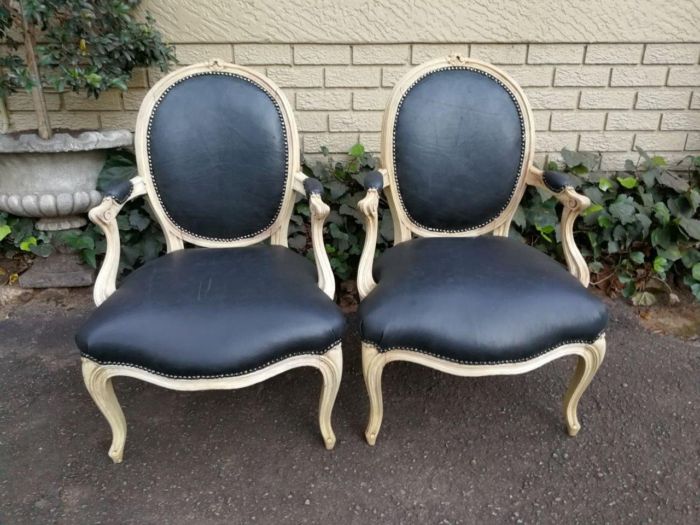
(215, 376)
(502, 362)
(286, 154)
(522, 148)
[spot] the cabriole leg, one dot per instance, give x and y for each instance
(586, 368)
(332, 370)
(372, 366)
(99, 384)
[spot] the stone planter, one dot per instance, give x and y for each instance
(54, 180)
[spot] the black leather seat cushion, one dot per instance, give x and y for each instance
(476, 300)
(211, 312)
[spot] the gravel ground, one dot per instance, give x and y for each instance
(451, 450)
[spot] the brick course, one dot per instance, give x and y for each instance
(604, 97)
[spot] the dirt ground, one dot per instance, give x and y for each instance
(451, 450)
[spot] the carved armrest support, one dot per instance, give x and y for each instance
(313, 189)
(369, 206)
(574, 203)
(104, 215)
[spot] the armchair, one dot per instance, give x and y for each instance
(454, 293)
(218, 159)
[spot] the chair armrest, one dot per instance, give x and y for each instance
(369, 206)
(374, 180)
(104, 215)
(556, 181)
(121, 192)
(313, 189)
(574, 203)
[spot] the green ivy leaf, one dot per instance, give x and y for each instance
(696, 271)
(643, 299)
(593, 208)
(89, 258)
(604, 221)
(637, 257)
(5, 230)
(26, 244)
(672, 253)
(595, 267)
(297, 242)
(604, 184)
(660, 264)
(627, 182)
(139, 220)
(357, 150)
(623, 209)
(662, 213)
(691, 227)
(93, 79)
(658, 161)
(672, 181)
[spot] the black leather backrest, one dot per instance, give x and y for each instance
(459, 140)
(218, 154)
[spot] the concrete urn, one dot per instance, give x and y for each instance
(54, 180)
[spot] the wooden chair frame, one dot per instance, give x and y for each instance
(98, 378)
(590, 356)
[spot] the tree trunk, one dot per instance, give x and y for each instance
(42, 114)
(4, 117)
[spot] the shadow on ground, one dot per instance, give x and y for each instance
(451, 450)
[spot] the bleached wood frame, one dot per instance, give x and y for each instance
(590, 355)
(98, 377)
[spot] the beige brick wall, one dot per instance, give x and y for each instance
(601, 97)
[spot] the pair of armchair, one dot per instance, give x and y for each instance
(218, 160)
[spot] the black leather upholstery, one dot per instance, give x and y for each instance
(556, 181)
(458, 149)
(120, 192)
(218, 154)
(210, 312)
(312, 186)
(476, 300)
(374, 181)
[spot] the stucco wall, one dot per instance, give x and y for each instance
(602, 76)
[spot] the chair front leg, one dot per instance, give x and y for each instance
(332, 371)
(373, 363)
(98, 382)
(588, 364)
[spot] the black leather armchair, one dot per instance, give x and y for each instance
(218, 159)
(454, 293)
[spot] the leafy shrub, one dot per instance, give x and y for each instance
(78, 45)
(641, 230)
(84, 45)
(342, 183)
